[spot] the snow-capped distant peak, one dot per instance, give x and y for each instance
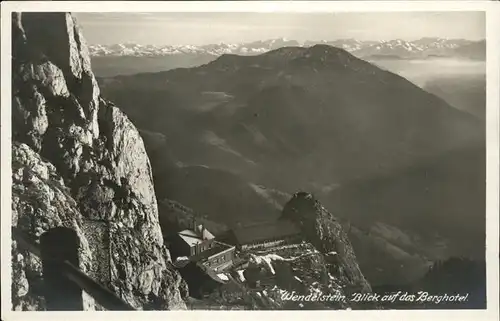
(395, 47)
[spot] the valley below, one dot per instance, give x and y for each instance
(461, 83)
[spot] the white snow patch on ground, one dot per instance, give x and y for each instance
(240, 274)
(223, 276)
(266, 260)
(266, 194)
(181, 261)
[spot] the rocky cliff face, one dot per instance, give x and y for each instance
(322, 229)
(79, 162)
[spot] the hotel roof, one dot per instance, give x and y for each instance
(262, 232)
(192, 238)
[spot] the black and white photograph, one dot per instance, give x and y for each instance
(248, 160)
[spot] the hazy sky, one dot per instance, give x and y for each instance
(205, 28)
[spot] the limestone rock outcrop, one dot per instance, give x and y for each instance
(322, 229)
(79, 162)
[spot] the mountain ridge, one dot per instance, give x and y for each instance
(243, 79)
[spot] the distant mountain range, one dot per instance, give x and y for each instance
(397, 48)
